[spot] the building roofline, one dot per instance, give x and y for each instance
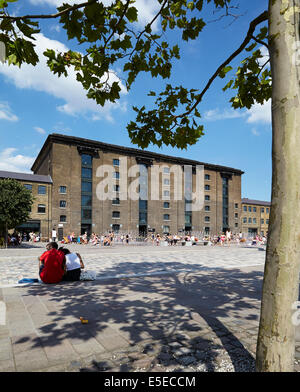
(64, 139)
(26, 177)
(257, 202)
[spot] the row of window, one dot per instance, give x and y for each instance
(253, 220)
(42, 189)
(253, 209)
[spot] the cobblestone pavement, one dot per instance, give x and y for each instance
(151, 309)
(128, 261)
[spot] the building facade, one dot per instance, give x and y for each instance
(41, 211)
(255, 217)
(99, 187)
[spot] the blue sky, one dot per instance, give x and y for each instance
(34, 103)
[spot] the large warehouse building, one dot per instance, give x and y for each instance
(98, 187)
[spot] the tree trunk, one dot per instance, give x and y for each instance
(276, 338)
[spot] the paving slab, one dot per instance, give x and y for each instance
(151, 310)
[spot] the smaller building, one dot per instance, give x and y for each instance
(255, 217)
(40, 216)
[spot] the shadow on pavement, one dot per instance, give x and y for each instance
(166, 309)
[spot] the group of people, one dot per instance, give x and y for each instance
(59, 264)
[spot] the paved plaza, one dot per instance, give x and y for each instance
(150, 309)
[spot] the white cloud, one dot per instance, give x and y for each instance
(67, 89)
(6, 113)
(10, 161)
(260, 113)
(216, 114)
(147, 9)
(255, 132)
(257, 114)
(40, 130)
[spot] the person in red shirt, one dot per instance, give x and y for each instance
(52, 264)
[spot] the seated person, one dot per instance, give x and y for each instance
(74, 264)
(52, 264)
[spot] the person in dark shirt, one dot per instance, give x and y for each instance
(52, 264)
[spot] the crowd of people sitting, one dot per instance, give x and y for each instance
(111, 238)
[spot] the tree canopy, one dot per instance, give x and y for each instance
(108, 35)
(15, 204)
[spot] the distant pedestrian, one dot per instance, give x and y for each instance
(53, 235)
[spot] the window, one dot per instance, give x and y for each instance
(117, 188)
(262, 221)
(115, 228)
(116, 201)
(41, 209)
(62, 203)
(116, 162)
(116, 214)
(236, 205)
(254, 220)
(166, 204)
(207, 187)
(116, 175)
(86, 186)
(267, 210)
(166, 217)
(166, 170)
(207, 197)
(244, 220)
(262, 210)
(207, 219)
(86, 214)
(267, 221)
(249, 209)
(28, 186)
(86, 160)
(166, 181)
(63, 218)
(250, 220)
(86, 172)
(245, 208)
(236, 225)
(188, 219)
(207, 177)
(166, 229)
(143, 204)
(207, 208)
(86, 201)
(166, 193)
(142, 217)
(254, 209)
(62, 189)
(41, 190)
(207, 230)
(236, 215)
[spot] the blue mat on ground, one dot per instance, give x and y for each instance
(28, 280)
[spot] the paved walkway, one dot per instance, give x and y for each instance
(150, 309)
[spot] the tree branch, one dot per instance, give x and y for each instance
(50, 16)
(261, 18)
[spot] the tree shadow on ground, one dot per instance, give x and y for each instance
(189, 315)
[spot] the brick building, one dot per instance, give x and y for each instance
(255, 217)
(85, 171)
(41, 188)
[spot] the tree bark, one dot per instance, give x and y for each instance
(276, 338)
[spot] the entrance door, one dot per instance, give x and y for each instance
(60, 232)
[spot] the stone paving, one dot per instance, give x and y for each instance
(127, 261)
(152, 309)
